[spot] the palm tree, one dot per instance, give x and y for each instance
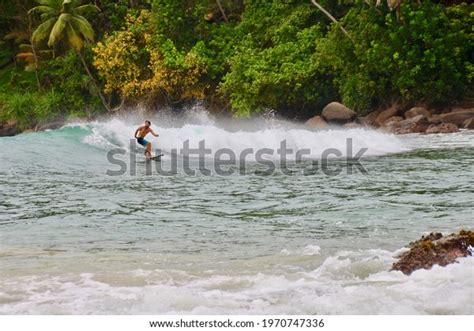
(64, 19)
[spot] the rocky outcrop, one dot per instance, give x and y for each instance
(417, 124)
(434, 119)
(337, 112)
(9, 129)
(435, 249)
(442, 128)
(316, 122)
(415, 111)
(393, 122)
(458, 116)
(385, 115)
(414, 120)
(51, 125)
(369, 119)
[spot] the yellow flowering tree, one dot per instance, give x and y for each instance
(136, 65)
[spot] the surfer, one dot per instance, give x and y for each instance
(140, 136)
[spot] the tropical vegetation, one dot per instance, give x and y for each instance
(62, 58)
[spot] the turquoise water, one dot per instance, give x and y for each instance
(75, 240)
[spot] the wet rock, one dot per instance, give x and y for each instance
(51, 125)
(442, 128)
(9, 129)
(434, 119)
(337, 112)
(385, 115)
(415, 111)
(393, 122)
(468, 124)
(417, 124)
(369, 120)
(435, 249)
(316, 122)
(457, 117)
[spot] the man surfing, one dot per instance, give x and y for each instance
(140, 136)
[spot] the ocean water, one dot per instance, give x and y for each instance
(75, 240)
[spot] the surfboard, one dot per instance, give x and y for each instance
(156, 158)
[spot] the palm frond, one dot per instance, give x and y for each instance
(82, 26)
(25, 48)
(42, 10)
(17, 36)
(56, 4)
(84, 9)
(43, 30)
(58, 29)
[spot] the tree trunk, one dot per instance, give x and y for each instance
(328, 14)
(101, 96)
(222, 11)
(33, 49)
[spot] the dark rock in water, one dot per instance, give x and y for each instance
(435, 249)
(316, 122)
(417, 124)
(442, 128)
(337, 112)
(9, 129)
(51, 125)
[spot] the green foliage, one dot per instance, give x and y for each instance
(277, 66)
(63, 18)
(421, 57)
(29, 108)
(282, 54)
(76, 92)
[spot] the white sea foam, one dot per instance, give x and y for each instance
(269, 135)
(346, 283)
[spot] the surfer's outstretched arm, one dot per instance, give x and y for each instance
(153, 133)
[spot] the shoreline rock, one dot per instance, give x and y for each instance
(396, 120)
(337, 112)
(435, 249)
(316, 122)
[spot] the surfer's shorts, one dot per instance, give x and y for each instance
(142, 142)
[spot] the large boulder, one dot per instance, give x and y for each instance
(415, 111)
(442, 128)
(468, 124)
(316, 122)
(435, 249)
(337, 112)
(457, 117)
(385, 115)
